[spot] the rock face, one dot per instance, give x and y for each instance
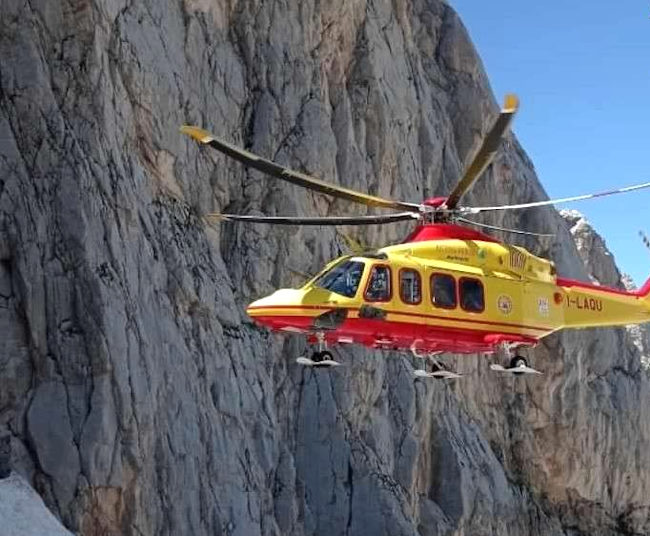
(23, 513)
(138, 397)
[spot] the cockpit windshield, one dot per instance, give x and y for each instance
(342, 279)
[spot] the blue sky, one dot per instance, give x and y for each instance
(582, 73)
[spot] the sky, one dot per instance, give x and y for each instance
(582, 73)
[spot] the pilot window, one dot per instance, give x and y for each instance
(342, 279)
(443, 291)
(410, 286)
(378, 288)
(472, 298)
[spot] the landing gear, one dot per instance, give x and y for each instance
(321, 357)
(518, 361)
(517, 364)
(438, 369)
(318, 357)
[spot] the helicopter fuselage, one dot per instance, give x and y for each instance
(445, 289)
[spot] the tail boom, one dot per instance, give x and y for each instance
(587, 305)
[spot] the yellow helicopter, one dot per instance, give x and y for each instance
(445, 288)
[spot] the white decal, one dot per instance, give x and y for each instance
(542, 306)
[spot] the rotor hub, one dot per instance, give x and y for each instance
(435, 202)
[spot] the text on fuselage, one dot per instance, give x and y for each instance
(582, 302)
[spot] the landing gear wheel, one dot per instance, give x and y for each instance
(518, 361)
(439, 371)
(319, 357)
(436, 369)
(517, 366)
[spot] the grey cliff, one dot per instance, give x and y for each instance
(137, 396)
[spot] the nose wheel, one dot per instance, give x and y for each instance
(321, 357)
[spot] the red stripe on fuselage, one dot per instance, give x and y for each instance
(401, 335)
(419, 315)
(569, 283)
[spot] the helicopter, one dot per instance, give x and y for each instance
(446, 288)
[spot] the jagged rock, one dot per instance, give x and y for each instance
(5, 456)
(140, 399)
(597, 258)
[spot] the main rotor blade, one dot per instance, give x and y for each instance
(317, 220)
(644, 238)
(505, 229)
(477, 210)
(486, 153)
(300, 179)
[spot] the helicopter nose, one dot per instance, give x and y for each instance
(283, 310)
(285, 297)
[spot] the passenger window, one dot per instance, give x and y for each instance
(410, 286)
(378, 287)
(471, 295)
(443, 291)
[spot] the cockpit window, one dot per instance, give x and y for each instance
(342, 279)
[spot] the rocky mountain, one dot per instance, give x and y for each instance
(136, 396)
(602, 269)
